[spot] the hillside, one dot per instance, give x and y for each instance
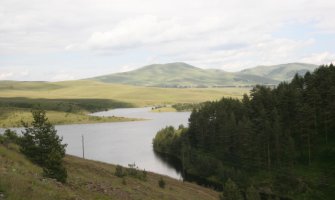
(182, 75)
(283, 72)
(20, 179)
(185, 75)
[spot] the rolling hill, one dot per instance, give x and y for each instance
(283, 72)
(185, 75)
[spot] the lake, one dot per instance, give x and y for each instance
(124, 142)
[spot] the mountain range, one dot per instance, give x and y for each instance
(184, 75)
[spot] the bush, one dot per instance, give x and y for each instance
(161, 183)
(2, 139)
(11, 137)
(124, 182)
(132, 171)
(41, 144)
(119, 171)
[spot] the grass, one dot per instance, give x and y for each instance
(20, 179)
(12, 117)
(68, 102)
(135, 95)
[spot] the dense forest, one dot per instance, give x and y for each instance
(65, 105)
(279, 142)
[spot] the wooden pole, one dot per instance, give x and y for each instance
(82, 144)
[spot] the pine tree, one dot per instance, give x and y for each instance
(252, 193)
(41, 144)
(231, 191)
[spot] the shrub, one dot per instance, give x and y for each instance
(11, 136)
(119, 171)
(2, 139)
(124, 182)
(161, 183)
(132, 171)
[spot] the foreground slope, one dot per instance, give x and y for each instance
(20, 179)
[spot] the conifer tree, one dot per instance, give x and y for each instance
(231, 191)
(41, 144)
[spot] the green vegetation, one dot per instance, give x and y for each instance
(18, 98)
(186, 106)
(60, 111)
(12, 117)
(283, 72)
(63, 105)
(279, 141)
(231, 191)
(21, 179)
(133, 95)
(41, 144)
(161, 183)
(164, 109)
(182, 75)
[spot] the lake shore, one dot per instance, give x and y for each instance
(13, 118)
(87, 179)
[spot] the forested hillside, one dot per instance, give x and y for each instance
(280, 141)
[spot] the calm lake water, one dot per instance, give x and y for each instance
(124, 142)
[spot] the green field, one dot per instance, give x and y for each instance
(137, 95)
(69, 102)
(12, 117)
(20, 179)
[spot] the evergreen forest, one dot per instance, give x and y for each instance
(278, 141)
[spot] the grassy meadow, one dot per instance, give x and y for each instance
(12, 117)
(69, 102)
(20, 179)
(136, 95)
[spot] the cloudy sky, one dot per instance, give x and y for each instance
(70, 39)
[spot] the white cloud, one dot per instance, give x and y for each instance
(62, 77)
(320, 58)
(6, 75)
(13, 72)
(127, 68)
(216, 33)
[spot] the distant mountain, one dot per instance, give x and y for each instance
(282, 72)
(185, 75)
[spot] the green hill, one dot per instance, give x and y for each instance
(185, 75)
(21, 179)
(282, 72)
(182, 75)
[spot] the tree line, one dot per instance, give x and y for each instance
(274, 130)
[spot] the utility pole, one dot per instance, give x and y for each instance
(83, 145)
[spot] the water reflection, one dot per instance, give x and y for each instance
(170, 161)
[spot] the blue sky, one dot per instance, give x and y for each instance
(65, 40)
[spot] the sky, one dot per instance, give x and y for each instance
(58, 40)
